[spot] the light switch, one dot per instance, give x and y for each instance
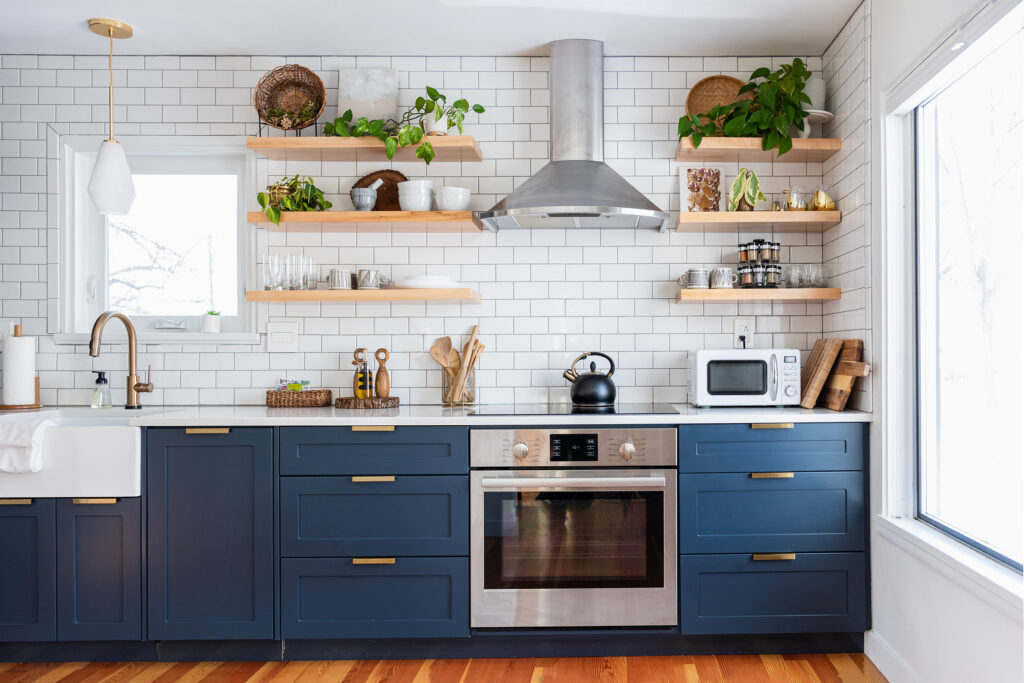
(283, 337)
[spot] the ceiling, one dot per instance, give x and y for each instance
(427, 27)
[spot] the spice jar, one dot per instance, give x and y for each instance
(746, 276)
(751, 252)
(743, 252)
(773, 275)
(759, 275)
(764, 251)
(776, 252)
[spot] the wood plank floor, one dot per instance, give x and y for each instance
(832, 668)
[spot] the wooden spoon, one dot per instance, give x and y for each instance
(460, 379)
(442, 359)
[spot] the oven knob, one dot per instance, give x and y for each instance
(520, 450)
(626, 450)
(790, 390)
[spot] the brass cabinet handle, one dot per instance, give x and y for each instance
(773, 556)
(93, 501)
(373, 560)
(772, 475)
(207, 430)
(15, 501)
(772, 425)
(381, 478)
(373, 428)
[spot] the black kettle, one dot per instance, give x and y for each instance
(591, 388)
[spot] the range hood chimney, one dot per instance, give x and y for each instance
(576, 189)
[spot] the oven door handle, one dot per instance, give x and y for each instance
(597, 483)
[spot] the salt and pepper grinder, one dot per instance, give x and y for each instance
(383, 386)
(362, 383)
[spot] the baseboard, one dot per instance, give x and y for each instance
(883, 656)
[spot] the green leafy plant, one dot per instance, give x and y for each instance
(297, 193)
(777, 105)
(409, 128)
(212, 313)
(745, 192)
(283, 118)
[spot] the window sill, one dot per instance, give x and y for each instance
(148, 337)
(993, 582)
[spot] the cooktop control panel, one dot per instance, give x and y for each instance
(627, 447)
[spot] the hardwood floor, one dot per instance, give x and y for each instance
(833, 668)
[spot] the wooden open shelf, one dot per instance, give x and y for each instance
(329, 148)
(334, 295)
(822, 294)
(781, 221)
(749, 149)
(366, 217)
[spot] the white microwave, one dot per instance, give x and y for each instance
(745, 377)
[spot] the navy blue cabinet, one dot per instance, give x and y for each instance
(350, 450)
(28, 571)
(210, 541)
(750, 448)
(99, 570)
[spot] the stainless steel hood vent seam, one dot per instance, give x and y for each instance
(576, 189)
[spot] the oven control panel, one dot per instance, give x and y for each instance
(636, 447)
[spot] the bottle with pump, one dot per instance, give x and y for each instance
(101, 392)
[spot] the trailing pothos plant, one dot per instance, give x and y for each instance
(409, 128)
(777, 105)
(297, 193)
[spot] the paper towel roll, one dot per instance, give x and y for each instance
(19, 368)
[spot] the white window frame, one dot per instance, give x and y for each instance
(76, 154)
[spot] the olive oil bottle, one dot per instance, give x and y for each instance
(362, 383)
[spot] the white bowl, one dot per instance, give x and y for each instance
(451, 198)
(416, 203)
(416, 185)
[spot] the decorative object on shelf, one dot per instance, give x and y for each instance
(453, 198)
(362, 382)
(364, 198)
(694, 278)
(289, 97)
(815, 90)
(821, 201)
(776, 106)
(795, 199)
(20, 382)
(383, 386)
(723, 278)
(339, 278)
(703, 186)
(745, 192)
(211, 322)
(416, 195)
(304, 398)
(370, 278)
(348, 403)
(387, 193)
(372, 92)
(297, 193)
(110, 186)
(413, 294)
(715, 91)
(805, 276)
(409, 128)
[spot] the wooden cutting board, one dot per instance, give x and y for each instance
(819, 364)
(387, 194)
(349, 403)
(847, 369)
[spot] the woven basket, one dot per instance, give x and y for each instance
(309, 398)
(714, 90)
(288, 87)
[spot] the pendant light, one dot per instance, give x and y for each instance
(110, 187)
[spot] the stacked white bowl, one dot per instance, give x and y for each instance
(452, 198)
(416, 195)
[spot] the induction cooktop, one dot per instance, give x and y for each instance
(570, 409)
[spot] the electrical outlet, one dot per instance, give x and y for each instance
(742, 327)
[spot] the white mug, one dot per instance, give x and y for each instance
(723, 278)
(694, 278)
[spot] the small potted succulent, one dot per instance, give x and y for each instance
(211, 321)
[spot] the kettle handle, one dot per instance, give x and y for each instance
(608, 358)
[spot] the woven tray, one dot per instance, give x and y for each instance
(714, 90)
(310, 398)
(288, 87)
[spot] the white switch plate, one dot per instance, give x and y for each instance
(283, 337)
(743, 326)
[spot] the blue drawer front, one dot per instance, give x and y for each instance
(734, 513)
(412, 516)
(742, 448)
(414, 597)
(816, 592)
(28, 571)
(406, 450)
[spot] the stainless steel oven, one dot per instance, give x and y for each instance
(573, 527)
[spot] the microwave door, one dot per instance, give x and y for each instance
(773, 385)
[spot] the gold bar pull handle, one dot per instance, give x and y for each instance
(94, 501)
(15, 501)
(772, 425)
(373, 560)
(207, 430)
(762, 557)
(373, 428)
(772, 475)
(370, 479)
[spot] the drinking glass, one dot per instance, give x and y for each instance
(311, 273)
(815, 275)
(275, 272)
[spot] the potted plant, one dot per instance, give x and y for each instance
(211, 321)
(745, 192)
(297, 193)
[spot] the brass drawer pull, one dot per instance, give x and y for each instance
(772, 475)
(373, 428)
(371, 479)
(15, 501)
(773, 556)
(373, 560)
(207, 430)
(93, 501)
(772, 425)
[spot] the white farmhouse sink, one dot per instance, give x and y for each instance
(87, 454)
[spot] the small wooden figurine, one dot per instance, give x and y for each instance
(383, 385)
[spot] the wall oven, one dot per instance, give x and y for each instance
(573, 527)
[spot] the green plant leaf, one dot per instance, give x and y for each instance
(347, 116)
(263, 198)
(785, 144)
(770, 141)
(428, 107)
(461, 105)
(763, 72)
(404, 136)
(739, 187)
(478, 108)
(415, 135)
(747, 88)
(433, 94)
(425, 151)
(420, 102)
(697, 137)
(274, 215)
(708, 129)
(734, 127)
(390, 145)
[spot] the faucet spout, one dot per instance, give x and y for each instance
(134, 387)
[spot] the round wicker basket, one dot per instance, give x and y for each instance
(289, 87)
(714, 90)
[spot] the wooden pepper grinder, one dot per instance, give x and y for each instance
(383, 378)
(362, 382)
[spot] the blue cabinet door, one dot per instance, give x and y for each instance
(738, 594)
(210, 539)
(739, 513)
(401, 597)
(407, 515)
(746, 448)
(346, 450)
(28, 572)
(99, 570)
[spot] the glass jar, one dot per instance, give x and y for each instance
(764, 251)
(776, 248)
(468, 395)
(752, 252)
(743, 252)
(773, 275)
(795, 198)
(759, 275)
(745, 275)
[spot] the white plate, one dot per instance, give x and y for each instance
(428, 282)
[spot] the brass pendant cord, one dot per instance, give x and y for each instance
(110, 67)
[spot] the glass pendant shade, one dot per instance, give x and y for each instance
(110, 187)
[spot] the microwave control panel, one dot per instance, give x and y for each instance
(639, 447)
(790, 379)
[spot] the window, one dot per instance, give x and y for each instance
(970, 205)
(178, 253)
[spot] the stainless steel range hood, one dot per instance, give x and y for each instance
(576, 189)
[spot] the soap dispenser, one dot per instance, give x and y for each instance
(101, 392)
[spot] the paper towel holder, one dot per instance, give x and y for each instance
(28, 406)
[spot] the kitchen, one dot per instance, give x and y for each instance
(534, 297)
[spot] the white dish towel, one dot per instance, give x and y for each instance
(21, 446)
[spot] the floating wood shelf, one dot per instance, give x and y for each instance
(366, 217)
(781, 221)
(330, 148)
(333, 295)
(749, 149)
(821, 294)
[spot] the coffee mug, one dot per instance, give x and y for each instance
(339, 278)
(723, 278)
(372, 279)
(694, 278)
